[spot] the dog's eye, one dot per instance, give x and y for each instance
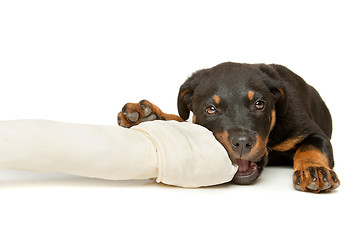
(259, 105)
(211, 110)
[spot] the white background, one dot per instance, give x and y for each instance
(80, 61)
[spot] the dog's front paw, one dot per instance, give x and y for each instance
(315, 179)
(134, 113)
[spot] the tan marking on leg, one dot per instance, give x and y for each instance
(217, 99)
(123, 120)
(289, 143)
(309, 156)
(161, 114)
(310, 167)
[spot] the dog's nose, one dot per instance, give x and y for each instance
(242, 143)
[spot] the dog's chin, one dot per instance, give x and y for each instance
(249, 171)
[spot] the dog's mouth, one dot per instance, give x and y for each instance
(245, 167)
(248, 171)
(250, 164)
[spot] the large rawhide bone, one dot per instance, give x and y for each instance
(180, 154)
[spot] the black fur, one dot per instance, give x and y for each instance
(299, 109)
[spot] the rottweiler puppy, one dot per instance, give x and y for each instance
(261, 114)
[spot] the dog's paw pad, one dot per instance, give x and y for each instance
(133, 117)
(134, 113)
(146, 106)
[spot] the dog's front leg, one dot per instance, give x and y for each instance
(313, 164)
(134, 113)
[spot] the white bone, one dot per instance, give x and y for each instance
(180, 154)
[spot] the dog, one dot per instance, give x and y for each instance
(262, 114)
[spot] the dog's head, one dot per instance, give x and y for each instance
(238, 103)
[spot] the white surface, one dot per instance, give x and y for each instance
(80, 61)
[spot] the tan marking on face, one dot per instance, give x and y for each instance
(183, 92)
(273, 120)
(258, 150)
(251, 95)
(217, 99)
(289, 143)
(223, 138)
(194, 119)
(282, 93)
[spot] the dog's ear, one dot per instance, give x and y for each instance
(275, 82)
(186, 92)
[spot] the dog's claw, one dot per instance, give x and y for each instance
(297, 187)
(326, 186)
(315, 179)
(312, 186)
